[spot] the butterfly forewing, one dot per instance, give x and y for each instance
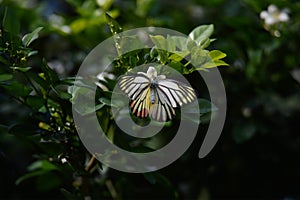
(161, 110)
(176, 93)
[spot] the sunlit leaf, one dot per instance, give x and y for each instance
(114, 26)
(201, 33)
(130, 42)
(178, 56)
(30, 37)
(180, 42)
(159, 41)
(216, 55)
(21, 69)
(199, 56)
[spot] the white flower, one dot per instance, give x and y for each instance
(63, 160)
(273, 15)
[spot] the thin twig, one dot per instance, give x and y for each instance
(90, 163)
(112, 189)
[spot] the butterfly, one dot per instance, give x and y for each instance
(154, 95)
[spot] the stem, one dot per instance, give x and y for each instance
(186, 64)
(90, 163)
(111, 189)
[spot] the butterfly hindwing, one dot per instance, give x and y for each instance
(141, 106)
(160, 110)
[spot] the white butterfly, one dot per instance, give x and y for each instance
(155, 96)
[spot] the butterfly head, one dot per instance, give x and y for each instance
(152, 74)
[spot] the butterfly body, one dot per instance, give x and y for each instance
(154, 95)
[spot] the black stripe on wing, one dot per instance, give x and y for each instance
(161, 110)
(140, 106)
(134, 85)
(176, 93)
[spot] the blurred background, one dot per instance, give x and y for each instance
(258, 153)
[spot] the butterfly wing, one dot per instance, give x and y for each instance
(137, 87)
(160, 110)
(176, 93)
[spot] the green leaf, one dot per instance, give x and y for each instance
(205, 106)
(143, 7)
(30, 37)
(199, 56)
(212, 64)
(180, 42)
(35, 102)
(17, 89)
(5, 77)
(216, 55)
(31, 53)
(86, 109)
(131, 42)
(11, 22)
(191, 44)
(42, 83)
(162, 47)
(201, 33)
(50, 75)
(178, 56)
(62, 94)
(21, 69)
(105, 5)
(107, 102)
(37, 169)
(28, 176)
(114, 26)
(159, 41)
(48, 181)
(205, 43)
(162, 43)
(191, 111)
(42, 165)
(4, 60)
(170, 44)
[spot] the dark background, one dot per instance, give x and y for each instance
(258, 153)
